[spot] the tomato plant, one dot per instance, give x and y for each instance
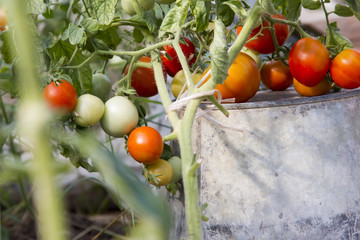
(60, 96)
(145, 144)
(243, 79)
(166, 1)
(143, 79)
(127, 5)
(276, 76)
(120, 116)
(179, 81)
(309, 61)
(161, 170)
(263, 42)
(88, 110)
(172, 62)
(319, 89)
(101, 86)
(344, 69)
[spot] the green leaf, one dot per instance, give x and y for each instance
(226, 14)
(138, 36)
(90, 25)
(150, 20)
(167, 152)
(335, 38)
(104, 10)
(175, 18)
(35, 6)
(237, 7)
(5, 133)
(293, 10)
(82, 78)
(311, 4)
(8, 48)
(219, 54)
(343, 11)
(75, 34)
(201, 11)
(75, 157)
(354, 5)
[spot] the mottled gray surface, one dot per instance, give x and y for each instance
(294, 173)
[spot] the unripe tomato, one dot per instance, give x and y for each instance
(243, 80)
(143, 79)
(345, 69)
(145, 144)
(3, 19)
(173, 64)
(60, 96)
(320, 89)
(161, 170)
(129, 8)
(263, 42)
(175, 162)
(166, 1)
(120, 116)
(276, 76)
(179, 80)
(309, 61)
(101, 86)
(89, 110)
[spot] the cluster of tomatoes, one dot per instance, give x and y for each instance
(118, 117)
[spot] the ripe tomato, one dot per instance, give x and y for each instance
(120, 116)
(60, 96)
(255, 55)
(173, 64)
(145, 144)
(276, 76)
(309, 61)
(89, 110)
(321, 88)
(263, 42)
(101, 86)
(3, 19)
(178, 82)
(161, 170)
(243, 80)
(143, 79)
(129, 8)
(344, 69)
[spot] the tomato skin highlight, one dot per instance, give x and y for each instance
(60, 95)
(263, 42)
(145, 144)
(143, 79)
(276, 76)
(345, 69)
(162, 171)
(173, 64)
(320, 89)
(309, 61)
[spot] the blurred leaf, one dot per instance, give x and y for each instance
(226, 14)
(237, 7)
(35, 6)
(293, 10)
(219, 54)
(311, 4)
(5, 133)
(104, 10)
(7, 48)
(335, 38)
(201, 11)
(138, 36)
(70, 152)
(90, 25)
(175, 18)
(343, 11)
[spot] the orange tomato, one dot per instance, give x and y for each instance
(276, 76)
(321, 88)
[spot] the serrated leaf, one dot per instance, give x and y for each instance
(175, 18)
(90, 25)
(201, 11)
(104, 10)
(82, 78)
(219, 54)
(343, 11)
(311, 4)
(35, 6)
(335, 38)
(237, 8)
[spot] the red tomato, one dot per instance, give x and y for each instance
(263, 42)
(143, 79)
(173, 64)
(345, 69)
(309, 61)
(321, 88)
(145, 144)
(276, 76)
(243, 80)
(60, 95)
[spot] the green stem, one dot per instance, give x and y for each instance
(83, 63)
(327, 20)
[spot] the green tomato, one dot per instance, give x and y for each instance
(120, 116)
(129, 8)
(175, 162)
(254, 55)
(101, 86)
(166, 1)
(179, 81)
(88, 110)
